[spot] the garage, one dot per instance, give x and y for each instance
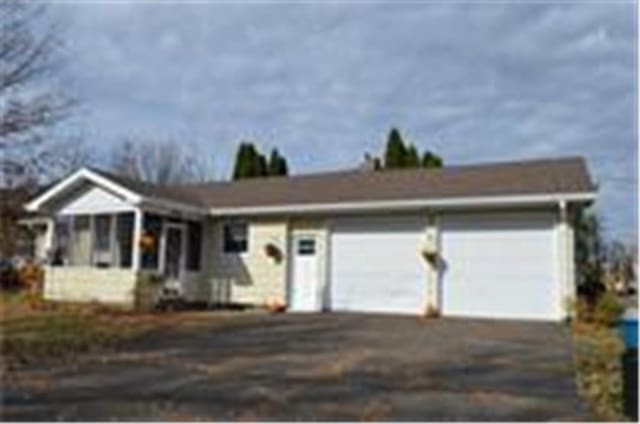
(499, 265)
(376, 266)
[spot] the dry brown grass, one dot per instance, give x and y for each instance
(32, 330)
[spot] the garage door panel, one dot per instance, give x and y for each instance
(375, 266)
(499, 266)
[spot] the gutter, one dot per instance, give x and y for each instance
(412, 204)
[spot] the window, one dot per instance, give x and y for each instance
(102, 252)
(125, 239)
(80, 247)
(306, 247)
(194, 245)
(62, 240)
(235, 238)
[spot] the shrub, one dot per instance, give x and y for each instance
(604, 311)
(582, 310)
(599, 375)
(31, 276)
(608, 309)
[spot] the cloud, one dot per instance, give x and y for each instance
(324, 82)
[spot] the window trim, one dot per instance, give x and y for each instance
(224, 238)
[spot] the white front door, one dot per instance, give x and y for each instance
(305, 293)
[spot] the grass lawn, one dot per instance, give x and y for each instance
(32, 330)
(598, 350)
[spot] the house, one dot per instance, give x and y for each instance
(490, 240)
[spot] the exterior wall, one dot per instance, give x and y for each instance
(320, 230)
(194, 285)
(95, 200)
(87, 284)
(251, 277)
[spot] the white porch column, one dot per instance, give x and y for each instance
(49, 237)
(137, 234)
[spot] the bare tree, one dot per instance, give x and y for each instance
(30, 104)
(620, 263)
(161, 161)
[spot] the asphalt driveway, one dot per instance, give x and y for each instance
(314, 367)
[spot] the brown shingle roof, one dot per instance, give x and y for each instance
(547, 176)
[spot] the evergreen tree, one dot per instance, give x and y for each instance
(283, 167)
(250, 163)
(277, 164)
(431, 160)
(260, 165)
(411, 158)
(241, 167)
(395, 153)
(274, 159)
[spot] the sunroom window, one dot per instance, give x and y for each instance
(194, 245)
(62, 241)
(125, 239)
(102, 236)
(80, 246)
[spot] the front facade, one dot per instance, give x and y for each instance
(327, 243)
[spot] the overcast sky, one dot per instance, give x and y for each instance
(325, 82)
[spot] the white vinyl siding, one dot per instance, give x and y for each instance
(95, 200)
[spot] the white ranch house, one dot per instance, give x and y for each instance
(492, 241)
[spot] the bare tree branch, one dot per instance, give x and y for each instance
(160, 161)
(30, 104)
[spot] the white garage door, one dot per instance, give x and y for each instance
(499, 266)
(376, 266)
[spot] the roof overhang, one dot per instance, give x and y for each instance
(76, 179)
(411, 204)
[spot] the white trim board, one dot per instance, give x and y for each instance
(392, 205)
(76, 178)
(129, 196)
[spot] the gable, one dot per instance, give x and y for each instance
(93, 200)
